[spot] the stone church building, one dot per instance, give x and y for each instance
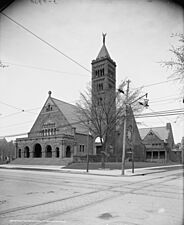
(57, 131)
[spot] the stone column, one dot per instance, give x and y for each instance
(165, 156)
(75, 150)
(62, 150)
(43, 151)
(53, 152)
(151, 155)
(159, 154)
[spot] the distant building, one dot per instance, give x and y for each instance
(7, 151)
(159, 143)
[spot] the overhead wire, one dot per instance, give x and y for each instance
(162, 82)
(157, 116)
(145, 115)
(60, 126)
(161, 113)
(46, 42)
(42, 69)
(17, 124)
(11, 106)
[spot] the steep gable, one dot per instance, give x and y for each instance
(59, 116)
(161, 132)
(50, 117)
(152, 137)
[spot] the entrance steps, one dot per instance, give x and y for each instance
(42, 161)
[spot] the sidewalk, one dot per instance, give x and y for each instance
(100, 172)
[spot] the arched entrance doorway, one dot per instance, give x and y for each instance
(37, 151)
(19, 153)
(26, 152)
(48, 151)
(57, 152)
(68, 152)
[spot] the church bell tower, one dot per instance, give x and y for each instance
(103, 73)
(104, 82)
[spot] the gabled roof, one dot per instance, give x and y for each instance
(161, 132)
(71, 114)
(103, 53)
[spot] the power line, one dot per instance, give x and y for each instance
(17, 124)
(43, 69)
(11, 114)
(161, 113)
(146, 115)
(46, 42)
(60, 126)
(157, 116)
(11, 106)
(22, 111)
(164, 100)
(162, 82)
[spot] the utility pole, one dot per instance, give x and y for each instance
(87, 158)
(124, 131)
(145, 104)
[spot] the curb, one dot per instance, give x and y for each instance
(144, 173)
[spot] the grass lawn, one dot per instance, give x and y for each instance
(117, 165)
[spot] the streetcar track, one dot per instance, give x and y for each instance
(56, 183)
(55, 214)
(16, 209)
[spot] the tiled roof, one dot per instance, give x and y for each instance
(103, 53)
(70, 112)
(161, 132)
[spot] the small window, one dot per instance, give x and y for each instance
(81, 148)
(49, 108)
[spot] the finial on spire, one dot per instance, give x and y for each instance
(104, 37)
(49, 93)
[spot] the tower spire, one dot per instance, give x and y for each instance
(104, 37)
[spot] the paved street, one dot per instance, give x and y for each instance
(40, 197)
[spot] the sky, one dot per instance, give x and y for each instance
(139, 36)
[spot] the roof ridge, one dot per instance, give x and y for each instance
(63, 101)
(152, 127)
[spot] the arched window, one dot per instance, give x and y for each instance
(49, 132)
(57, 152)
(26, 152)
(48, 151)
(46, 132)
(52, 131)
(68, 151)
(37, 152)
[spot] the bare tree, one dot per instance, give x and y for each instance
(176, 64)
(102, 115)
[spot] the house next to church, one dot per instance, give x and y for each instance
(159, 143)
